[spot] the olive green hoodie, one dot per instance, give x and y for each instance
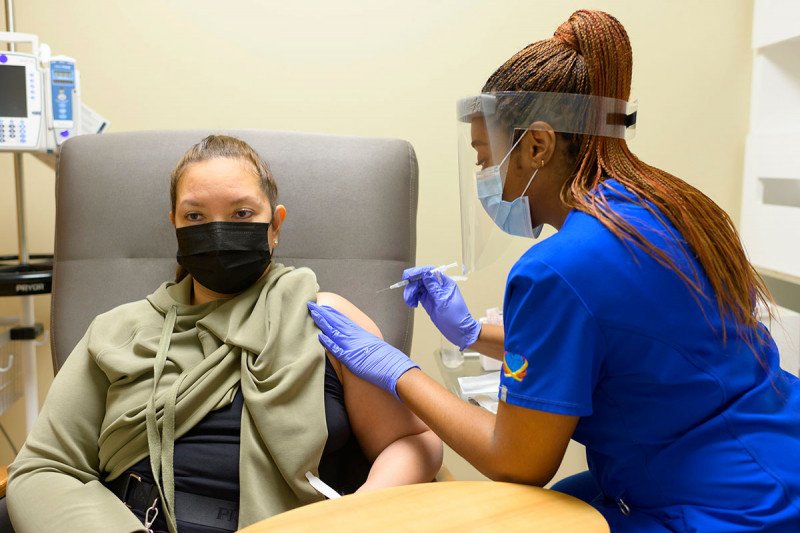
(94, 424)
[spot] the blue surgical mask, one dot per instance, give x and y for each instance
(512, 217)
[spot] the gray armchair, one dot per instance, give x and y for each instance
(351, 217)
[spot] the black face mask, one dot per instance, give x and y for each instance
(226, 257)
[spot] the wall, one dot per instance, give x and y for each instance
(391, 68)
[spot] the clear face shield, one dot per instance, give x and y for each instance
(491, 126)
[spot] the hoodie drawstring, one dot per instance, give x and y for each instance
(162, 444)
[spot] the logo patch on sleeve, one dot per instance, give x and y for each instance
(515, 366)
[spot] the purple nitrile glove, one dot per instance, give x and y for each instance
(440, 297)
(364, 354)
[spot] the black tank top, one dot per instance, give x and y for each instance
(206, 458)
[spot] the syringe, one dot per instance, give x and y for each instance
(403, 283)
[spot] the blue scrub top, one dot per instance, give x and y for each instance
(690, 432)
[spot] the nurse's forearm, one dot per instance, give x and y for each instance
(466, 428)
(518, 445)
(490, 341)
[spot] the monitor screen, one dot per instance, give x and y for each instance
(14, 102)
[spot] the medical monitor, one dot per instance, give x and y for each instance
(21, 117)
(14, 102)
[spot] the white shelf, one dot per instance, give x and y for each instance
(774, 155)
(771, 231)
(776, 88)
(775, 21)
(770, 223)
(785, 330)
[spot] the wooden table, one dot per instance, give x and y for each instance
(457, 506)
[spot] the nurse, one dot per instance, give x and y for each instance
(632, 330)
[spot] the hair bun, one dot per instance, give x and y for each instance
(566, 35)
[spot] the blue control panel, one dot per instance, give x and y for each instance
(62, 89)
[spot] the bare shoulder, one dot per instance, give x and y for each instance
(344, 306)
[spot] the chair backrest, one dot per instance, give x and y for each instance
(351, 217)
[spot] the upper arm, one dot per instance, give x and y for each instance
(530, 444)
(555, 349)
(376, 417)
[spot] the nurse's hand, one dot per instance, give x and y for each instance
(364, 354)
(440, 297)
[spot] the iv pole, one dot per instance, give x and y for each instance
(27, 318)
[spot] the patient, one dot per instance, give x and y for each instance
(208, 401)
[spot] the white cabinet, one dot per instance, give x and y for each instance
(770, 224)
(785, 330)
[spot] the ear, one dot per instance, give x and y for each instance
(275, 225)
(539, 144)
(172, 218)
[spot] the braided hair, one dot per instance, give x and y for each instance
(591, 54)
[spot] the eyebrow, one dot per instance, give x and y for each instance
(477, 143)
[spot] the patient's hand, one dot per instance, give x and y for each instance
(402, 448)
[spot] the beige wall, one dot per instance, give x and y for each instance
(377, 68)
